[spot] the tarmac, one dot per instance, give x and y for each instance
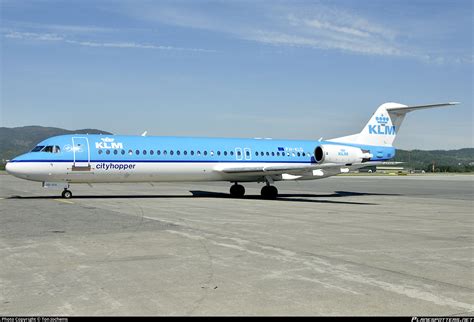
(357, 245)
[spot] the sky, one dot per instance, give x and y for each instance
(280, 69)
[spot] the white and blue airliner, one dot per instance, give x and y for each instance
(68, 159)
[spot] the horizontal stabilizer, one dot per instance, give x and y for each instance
(406, 109)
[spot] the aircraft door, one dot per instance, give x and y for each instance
(238, 153)
(248, 154)
(81, 154)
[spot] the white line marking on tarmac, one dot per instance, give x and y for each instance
(65, 201)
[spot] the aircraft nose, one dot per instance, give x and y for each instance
(10, 168)
(15, 169)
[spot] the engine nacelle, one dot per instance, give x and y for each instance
(330, 153)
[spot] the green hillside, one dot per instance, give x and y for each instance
(461, 160)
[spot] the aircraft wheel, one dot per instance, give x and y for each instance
(67, 194)
(269, 192)
(237, 191)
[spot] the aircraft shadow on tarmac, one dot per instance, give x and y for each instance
(295, 197)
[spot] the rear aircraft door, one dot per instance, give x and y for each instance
(81, 154)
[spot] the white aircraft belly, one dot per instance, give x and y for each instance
(112, 172)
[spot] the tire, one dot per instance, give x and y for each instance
(269, 192)
(237, 191)
(66, 194)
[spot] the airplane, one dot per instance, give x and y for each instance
(62, 160)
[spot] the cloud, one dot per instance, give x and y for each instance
(50, 37)
(354, 46)
(33, 36)
(133, 45)
(316, 26)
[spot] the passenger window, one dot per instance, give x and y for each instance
(205, 152)
(268, 153)
(273, 154)
(298, 154)
(99, 151)
(107, 151)
(198, 153)
(144, 152)
(239, 153)
(231, 152)
(185, 152)
(192, 152)
(130, 152)
(164, 152)
(278, 154)
(178, 153)
(247, 153)
(225, 152)
(218, 152)
(303, 154)
(152, 152)
(171, 152)
(115, 151)
(123, 152)
(212, 153)
(158, 152)
(137, 152)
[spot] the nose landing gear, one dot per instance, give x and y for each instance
(67, 194)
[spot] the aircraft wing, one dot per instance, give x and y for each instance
(291, 169)
(268, 170)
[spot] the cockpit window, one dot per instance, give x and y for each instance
(51, 149)
(38, 148)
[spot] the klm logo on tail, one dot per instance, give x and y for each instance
(382, 128)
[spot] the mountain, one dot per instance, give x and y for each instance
(18, 140)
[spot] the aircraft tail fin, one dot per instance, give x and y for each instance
(384, 124)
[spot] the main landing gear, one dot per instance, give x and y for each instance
(237, 190)
(268, 191)
(67, 194)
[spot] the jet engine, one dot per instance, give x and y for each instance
(331, 153)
